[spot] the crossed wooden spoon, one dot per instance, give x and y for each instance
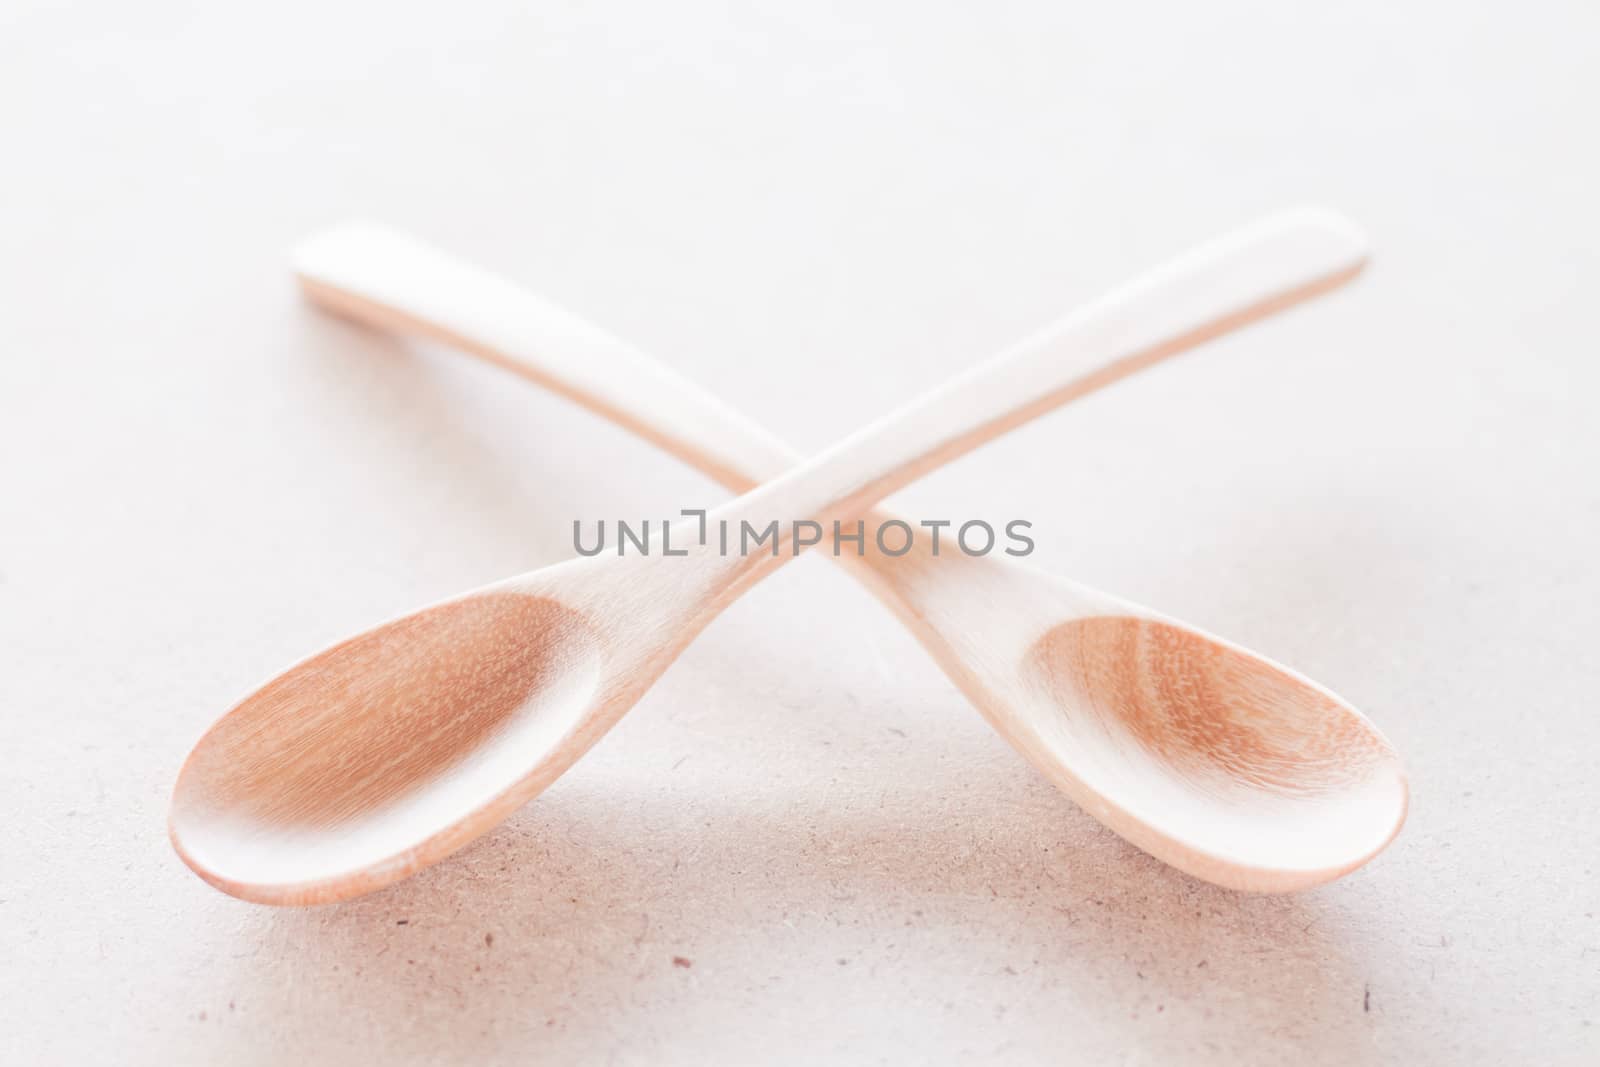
(385, 753)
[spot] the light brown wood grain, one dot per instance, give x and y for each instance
(387, 752)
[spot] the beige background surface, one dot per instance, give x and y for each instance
(816, 211)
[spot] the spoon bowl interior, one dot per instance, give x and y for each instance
(1221, 762)
(387, 751)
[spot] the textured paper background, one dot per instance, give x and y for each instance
(817, 213)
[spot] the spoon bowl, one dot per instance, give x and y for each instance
(1221, 761)
(391, 748)
(1211, 757)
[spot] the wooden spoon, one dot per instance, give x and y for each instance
(390, 750)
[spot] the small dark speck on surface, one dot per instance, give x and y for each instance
(843, 961)
(682, 961)
(401, 922)
(202, 1016)
(1366, 999)
(230, 1005)
(1202, 963)
(488, 939)
(897, 731)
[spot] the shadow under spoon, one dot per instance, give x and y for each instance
(388, 751)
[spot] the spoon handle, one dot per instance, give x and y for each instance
(1216, 288)
(387, 279)
(390, 280)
